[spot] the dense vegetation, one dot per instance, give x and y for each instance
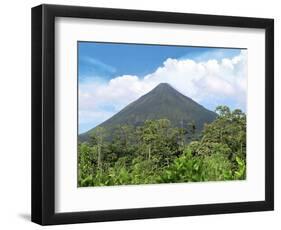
(157, 152)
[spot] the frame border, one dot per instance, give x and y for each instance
(43, 114)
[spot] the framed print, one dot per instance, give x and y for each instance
(142, 114)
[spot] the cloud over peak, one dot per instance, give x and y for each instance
(209, 82)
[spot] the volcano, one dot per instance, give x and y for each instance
(162, 102)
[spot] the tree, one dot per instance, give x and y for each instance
(219, 155)
(158, 152)
(229, 128)
(97, 139)
(148, 135)
(124, 140)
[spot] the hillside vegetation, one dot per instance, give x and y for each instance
(161, 102)
(158, 152)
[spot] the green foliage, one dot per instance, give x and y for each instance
(192, 168)
(162, 102)
(156, 152)
(230, 129)
(240, 173)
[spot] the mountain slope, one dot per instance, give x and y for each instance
(161, 102)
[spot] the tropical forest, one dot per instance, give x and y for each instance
(164, 137)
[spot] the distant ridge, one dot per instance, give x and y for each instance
(161, 102)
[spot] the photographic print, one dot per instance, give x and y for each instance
(176, 109)
(152, 114)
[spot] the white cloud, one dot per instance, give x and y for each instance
(210, 83)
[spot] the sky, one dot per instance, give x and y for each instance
(112, 75)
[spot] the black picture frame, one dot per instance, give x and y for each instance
(43, 114)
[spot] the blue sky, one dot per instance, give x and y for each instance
(112, 75)
(107, 60)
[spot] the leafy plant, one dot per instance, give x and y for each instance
(157, 152)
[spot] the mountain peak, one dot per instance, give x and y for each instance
(162, 102)
(164, 85)
(163, 88)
